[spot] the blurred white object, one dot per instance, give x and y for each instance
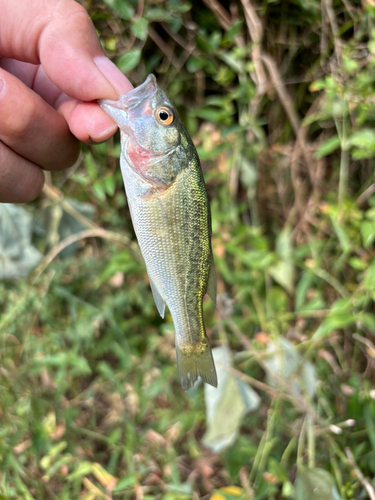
(226, 405)
(17, 255)
(285, 366)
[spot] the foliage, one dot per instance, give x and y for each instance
(279, 98)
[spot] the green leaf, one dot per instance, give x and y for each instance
(125, 482)
(53, 452)
(332, 323)
(327, 147)
(283, 271)
(90, 165)
(110, 185)
(129, 60)
(233, 31)
(98, 189)
(344, 238)
(369, 280)
(317, 85)
(305, 282)
(364, 142)
(315, 484)
(364, 138)
(368, 320)
(140, 28)
(249, 176)
(156, 14)
(237, 65)
(357, 263)
(212, 114)
(349, 64)
(194, 64)
(368, 233)
(82, 469)
(122, 8)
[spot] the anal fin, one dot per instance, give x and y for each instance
(159, 301)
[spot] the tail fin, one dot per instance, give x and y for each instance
(195, 360)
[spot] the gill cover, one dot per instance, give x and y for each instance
(150, 126)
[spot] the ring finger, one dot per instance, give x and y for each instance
(20, 179)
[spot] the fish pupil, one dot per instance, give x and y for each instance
(163, 115)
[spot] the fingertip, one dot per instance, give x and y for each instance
(112, 73)
(87, 121)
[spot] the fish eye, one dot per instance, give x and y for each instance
(164, 115)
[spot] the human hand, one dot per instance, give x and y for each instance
(52, 68)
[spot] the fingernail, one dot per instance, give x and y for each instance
(119, 81)
(103, 135)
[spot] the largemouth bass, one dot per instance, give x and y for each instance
(171, 217)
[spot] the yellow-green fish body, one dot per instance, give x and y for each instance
(171, 217)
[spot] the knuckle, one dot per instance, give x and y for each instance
(17, 125)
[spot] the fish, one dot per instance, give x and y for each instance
(171, 216)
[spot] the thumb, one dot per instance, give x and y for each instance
(59, 35)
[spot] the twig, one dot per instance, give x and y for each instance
(255, 29)
(362, 198)
(365, 483)
(56, 195)
(139, 9)
(175, 36)
(334, 27)
(73, 238)
(281, 91)
(220, 13)
(344, 160)
(250, 380)
(253, 22)
(165, 48)
(301, 207)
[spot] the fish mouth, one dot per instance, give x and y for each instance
(119, 110)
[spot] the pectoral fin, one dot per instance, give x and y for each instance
(211, 285)
(159, 301)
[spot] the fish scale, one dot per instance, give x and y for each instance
(171, 216)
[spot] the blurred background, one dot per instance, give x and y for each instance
(279, 98)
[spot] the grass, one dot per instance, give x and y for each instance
(90, 403)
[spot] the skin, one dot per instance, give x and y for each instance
(52, 69)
